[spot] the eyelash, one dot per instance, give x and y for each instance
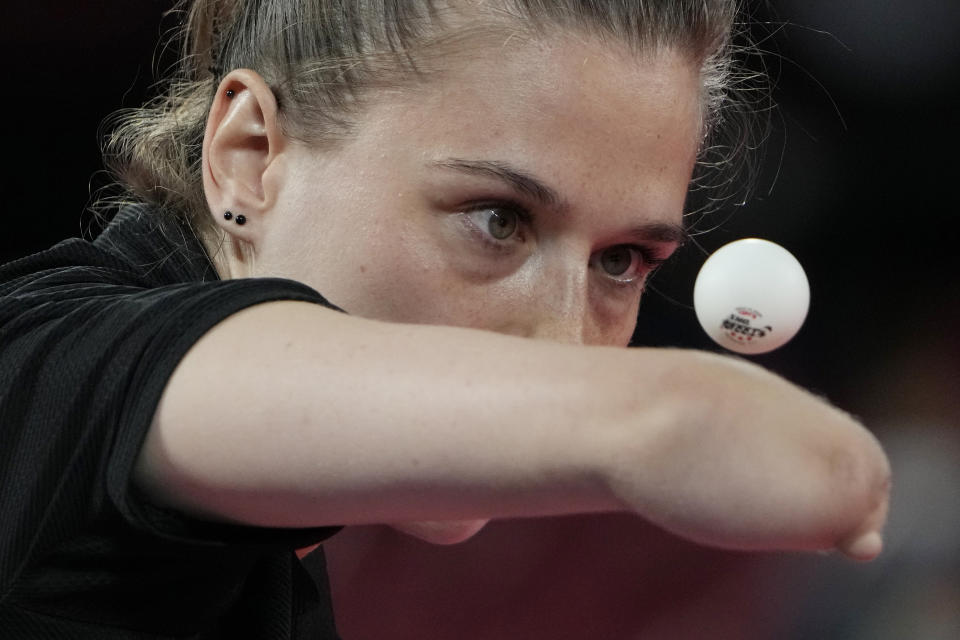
(651, 261)
(524, 222)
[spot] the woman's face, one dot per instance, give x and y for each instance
(528, 189)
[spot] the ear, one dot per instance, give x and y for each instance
(241, 145)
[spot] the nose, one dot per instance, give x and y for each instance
(560, 311)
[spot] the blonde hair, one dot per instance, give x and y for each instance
(321, 57)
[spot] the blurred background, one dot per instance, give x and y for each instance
(858, 178)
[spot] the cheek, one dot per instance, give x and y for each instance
(612, 321)
(365, 251)
(397, 275)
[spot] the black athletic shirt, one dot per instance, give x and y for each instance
(90, 332)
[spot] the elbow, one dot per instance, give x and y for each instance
(861, 478)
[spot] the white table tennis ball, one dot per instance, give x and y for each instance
(751, 296)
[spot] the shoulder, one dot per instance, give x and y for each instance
(133, 250)
(71, 261)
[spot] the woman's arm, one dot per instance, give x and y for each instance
(288, 414)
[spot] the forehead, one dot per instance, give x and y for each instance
(582, 90)
(610, 128)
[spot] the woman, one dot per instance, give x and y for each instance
(186, 401)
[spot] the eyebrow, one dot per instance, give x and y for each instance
(660, 232)
(519, 180)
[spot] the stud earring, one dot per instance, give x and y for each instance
(230, 93)
(240, 219)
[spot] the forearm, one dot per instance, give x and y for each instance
(330, 419)
(757, 463)
(334, 420)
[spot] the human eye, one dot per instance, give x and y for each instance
(499, 224)
(626, 264)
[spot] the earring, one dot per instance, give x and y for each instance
(240, 219)
(230, 93)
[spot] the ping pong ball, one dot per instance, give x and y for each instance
(751, 296)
